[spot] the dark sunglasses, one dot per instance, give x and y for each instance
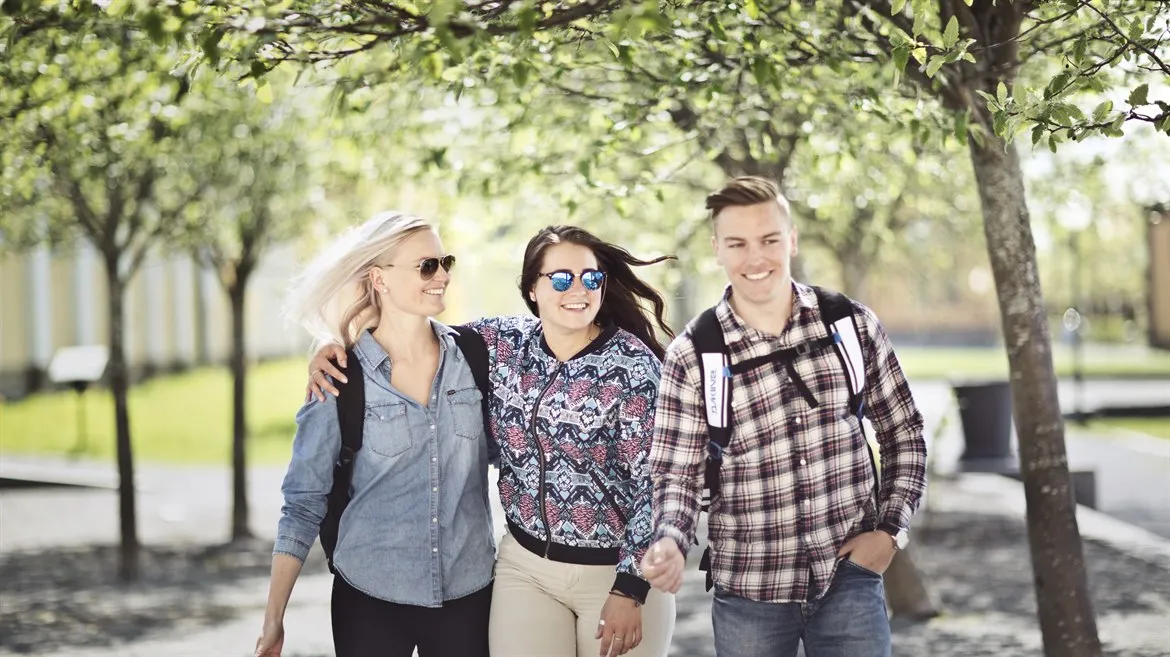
(428, 267)
(562, 279)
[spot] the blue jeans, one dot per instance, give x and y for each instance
(849, 621)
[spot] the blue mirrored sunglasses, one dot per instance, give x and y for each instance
(562, 279)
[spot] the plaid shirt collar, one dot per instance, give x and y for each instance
(735, 330)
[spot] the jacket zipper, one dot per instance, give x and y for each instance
(543, 463)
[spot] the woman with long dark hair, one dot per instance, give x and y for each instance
(573, 395)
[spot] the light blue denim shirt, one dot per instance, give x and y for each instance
(418, 527)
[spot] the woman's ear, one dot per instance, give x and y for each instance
(376, 280)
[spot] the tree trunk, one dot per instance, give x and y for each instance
(906, 591)
(1067, 623)
(854, 270)
(119, 386)
(239, 369)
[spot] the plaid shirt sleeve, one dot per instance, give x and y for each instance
(897, 425)
(679, 448)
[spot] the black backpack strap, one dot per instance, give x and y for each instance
(475, 351)
(715, 385)
(351, 416)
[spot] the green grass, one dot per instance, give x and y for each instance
(1154, 426)
(943, 363)
(183, 418)
(186, 418)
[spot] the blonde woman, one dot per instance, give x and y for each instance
(414, 551)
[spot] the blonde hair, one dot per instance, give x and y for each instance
(334, 298)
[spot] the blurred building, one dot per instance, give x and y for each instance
(177, 314)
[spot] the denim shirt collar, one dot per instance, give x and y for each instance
(373, 355)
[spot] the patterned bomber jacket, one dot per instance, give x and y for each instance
(575, 439)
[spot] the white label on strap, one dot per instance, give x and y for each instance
(851, 349)
(715, 396)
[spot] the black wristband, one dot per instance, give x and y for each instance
(631, 586)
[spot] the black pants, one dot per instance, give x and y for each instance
(368, 627)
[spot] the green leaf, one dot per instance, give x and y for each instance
(901, 56)
(935, 64)
(1052, 143)
(209, 43)
(264, 93)
(961, 127)
(919, 54)
(1136, 30)
(896, 7)
(1139, 96)
(951, 34)
(1001, 93)
(433, 64)
(520, 73)
(1102, 110)
(716, 29)
(752, 9)
(1057, 84)
(921, 11)
(762, 70)
(152, 23)
(1037, 134)
(526, 20)
(999, 125)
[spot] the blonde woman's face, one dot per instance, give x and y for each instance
(401, 283)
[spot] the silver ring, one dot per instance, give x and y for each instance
(617, 638)
(601, 622)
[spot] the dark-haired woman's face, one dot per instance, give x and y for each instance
(575, 308)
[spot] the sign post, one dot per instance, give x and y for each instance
(78, 367)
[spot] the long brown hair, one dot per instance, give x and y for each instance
(623, 289)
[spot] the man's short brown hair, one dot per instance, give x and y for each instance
(746, 190)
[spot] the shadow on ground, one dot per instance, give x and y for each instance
(56, 599)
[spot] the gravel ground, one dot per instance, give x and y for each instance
(207, 602)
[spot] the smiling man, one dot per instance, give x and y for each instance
(761, 401)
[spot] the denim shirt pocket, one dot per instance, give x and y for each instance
(387, 431)
(466, 412)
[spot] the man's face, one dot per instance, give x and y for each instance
(755, 244)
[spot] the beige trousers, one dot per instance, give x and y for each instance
(543, 608)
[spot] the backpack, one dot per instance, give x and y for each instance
(716, 375)
(351, 415)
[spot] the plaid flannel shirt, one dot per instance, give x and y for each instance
(796, 482)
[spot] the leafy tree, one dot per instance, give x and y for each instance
(91, 118)
(253, 154)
